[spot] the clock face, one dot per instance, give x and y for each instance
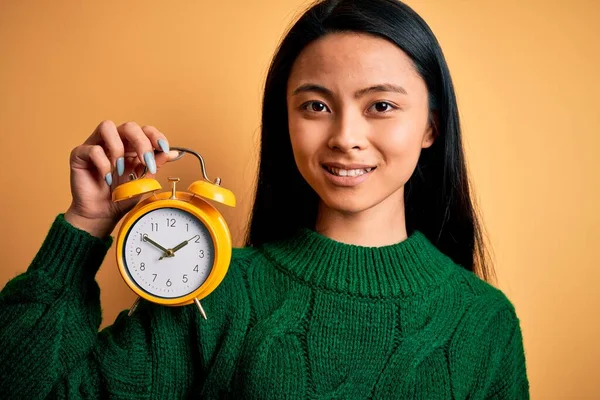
(168, 252)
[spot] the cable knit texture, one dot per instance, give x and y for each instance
(303, 318)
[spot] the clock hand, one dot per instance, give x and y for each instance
(179, 246)
(167, 253)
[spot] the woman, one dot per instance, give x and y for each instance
(357, 280)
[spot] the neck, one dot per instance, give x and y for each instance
(380, 225)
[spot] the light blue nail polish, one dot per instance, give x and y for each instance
(120, 166)
(163, 145)
(108, 179)
(150, 162)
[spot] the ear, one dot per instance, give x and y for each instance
(431, 133)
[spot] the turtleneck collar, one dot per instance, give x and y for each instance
(397, 270)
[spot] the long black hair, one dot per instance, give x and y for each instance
(438, 200)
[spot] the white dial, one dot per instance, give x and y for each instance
(168, 252)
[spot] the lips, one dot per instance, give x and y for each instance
(347, 175)
(348, 170)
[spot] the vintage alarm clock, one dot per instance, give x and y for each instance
(174, 248)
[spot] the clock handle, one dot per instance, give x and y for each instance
(182, 151)
(199, 157)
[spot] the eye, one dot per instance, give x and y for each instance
(314, 106)
(382, 107)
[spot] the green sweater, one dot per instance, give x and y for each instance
(306, 317)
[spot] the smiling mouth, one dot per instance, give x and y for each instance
(348, 172)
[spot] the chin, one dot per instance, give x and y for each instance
(357, 200)
(346, 203)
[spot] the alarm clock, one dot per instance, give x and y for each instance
(173, 248)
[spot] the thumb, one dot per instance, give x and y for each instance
(163, 158)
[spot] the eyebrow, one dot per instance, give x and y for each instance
(384, 87)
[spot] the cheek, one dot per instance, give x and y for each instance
(400, 145)
(305, 138)
(301, 147)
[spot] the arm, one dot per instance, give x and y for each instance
(49, 340)
(510, 380)
(50, 345)
(486, 355)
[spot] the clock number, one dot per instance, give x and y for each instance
(154, 277)
(201, 253)
(154, 226)
(187, 227)
(143, 237)
(196, 268)
(197, 239)
(185, 279)
(138, 250)
(169, 283)
(142, 267)
(171, 222)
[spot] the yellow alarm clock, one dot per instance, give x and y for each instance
(174, 248)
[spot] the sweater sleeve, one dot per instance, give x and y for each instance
(49, 340)
(486, 355)
(510, 379)
(50, 316)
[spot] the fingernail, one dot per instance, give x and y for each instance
(163, 145)
(108, 179)
(150, 162)
(120, 165)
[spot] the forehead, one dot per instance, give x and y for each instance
(352, 57)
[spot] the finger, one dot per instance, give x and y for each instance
(135, 136)
(138, 170)
(92, 157)
(132, 165)
(161, 158)
(157, 138)
(107, 135)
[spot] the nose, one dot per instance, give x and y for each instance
(348, 133)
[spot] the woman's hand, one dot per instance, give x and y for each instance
(104, 161)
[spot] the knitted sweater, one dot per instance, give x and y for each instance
(305, 317)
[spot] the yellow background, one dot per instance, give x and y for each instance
(527, 86)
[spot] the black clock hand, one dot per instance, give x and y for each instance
(166, 252)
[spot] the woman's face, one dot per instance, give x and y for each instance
(358, 119)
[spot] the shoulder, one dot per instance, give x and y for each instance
(243, 257)
(248, 260)
(488, 335)
(486, 318)
(483, 297)
(479, 299)
(234, 284)
(489, 320)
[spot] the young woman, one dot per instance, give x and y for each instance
(359, 277)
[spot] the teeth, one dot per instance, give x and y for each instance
(348, 172)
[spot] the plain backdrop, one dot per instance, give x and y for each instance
(527, 86)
